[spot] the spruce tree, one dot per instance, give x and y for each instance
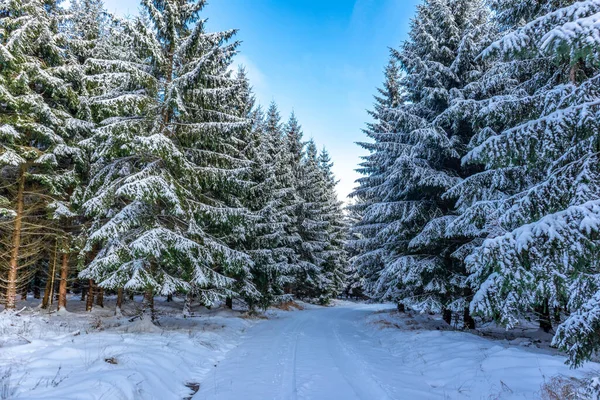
(417, 264)
(166, 160)
(539, 146)
(38, 130)
(372, 213)
(286, 148)
(312, 281)
(336, 258)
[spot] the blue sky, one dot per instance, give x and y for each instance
(323, 59)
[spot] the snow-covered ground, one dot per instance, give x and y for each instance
(351, 351)
(97, 356)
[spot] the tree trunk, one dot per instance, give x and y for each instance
(229, 303)
(36, 285)
(187, 305)
(24, 292)
(131, 296)
(169, 297)
(149, 305)
(49, 280)
(64, 273)
(544, 316)
(557, 315)
(469, 322)
(13, 264)
(100, 297)
(119, 301)
(47, 291)
(447, 316)
(573, 73)
(83, 291)
(89, 304)
(401, 307)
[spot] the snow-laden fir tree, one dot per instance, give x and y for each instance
(335, 256)
(368, 233)
(286, 147)
(355, 282)
(312, 281)
(539, 196)
(167, 166)
(88, 24)
(266, 237)
(437, 61)
(37, 132)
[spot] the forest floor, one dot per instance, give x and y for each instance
(349, 351)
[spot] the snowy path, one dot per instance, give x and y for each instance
(333, 353)
(300, 356)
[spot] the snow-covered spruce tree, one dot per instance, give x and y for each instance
(264, 241)
(544, 137)
(438, 60)
(313, 229)
(87, 25)
(37, 132)
(285, 146)
(355, 282)
(335, 256)
(90, 33)
(167, 166)
(272, 255)
(368, 233)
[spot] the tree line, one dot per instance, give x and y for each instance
(134, 160)
(480, 194)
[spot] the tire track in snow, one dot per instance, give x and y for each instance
(289, 384)
(364, 385)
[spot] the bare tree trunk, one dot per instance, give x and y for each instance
(89, 304)
(468, 319)
(187, 305)
(119, 301)
(13, 264)
(47, 291)
(447, 316)
(149, 304)
(401, 307)
(83, 291)
(544, 316)
(573, 73)
(100, 297)
(229, 303)
(469, 322)
(169, 297)
(64, 273)
(24, 292)
(49, 279)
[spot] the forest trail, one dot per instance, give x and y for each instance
(353, 352)
(316, 353)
